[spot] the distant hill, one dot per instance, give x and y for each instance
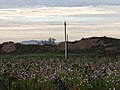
(30, 42)
(92, 45)
(50, 41)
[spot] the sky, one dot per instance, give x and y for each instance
(40, 19)
(21, 3)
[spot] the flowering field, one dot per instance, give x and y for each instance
(77, 73)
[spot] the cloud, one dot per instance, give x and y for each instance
(43, 22)
(57, 11)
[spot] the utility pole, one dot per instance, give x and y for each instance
(67, 40)
(65, 24)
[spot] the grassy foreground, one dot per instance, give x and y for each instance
(50, 72)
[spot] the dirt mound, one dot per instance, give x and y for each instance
(88, 43)
(8, 47)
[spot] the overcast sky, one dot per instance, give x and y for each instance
(22, 3)
(33, 20)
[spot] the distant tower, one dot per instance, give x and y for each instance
(65, 24)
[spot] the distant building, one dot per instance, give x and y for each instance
(51, 41)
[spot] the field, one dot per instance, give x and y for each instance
(53, 72)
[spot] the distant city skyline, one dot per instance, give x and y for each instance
(40, 19)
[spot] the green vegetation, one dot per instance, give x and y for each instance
(43, 67)
(52, 72)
